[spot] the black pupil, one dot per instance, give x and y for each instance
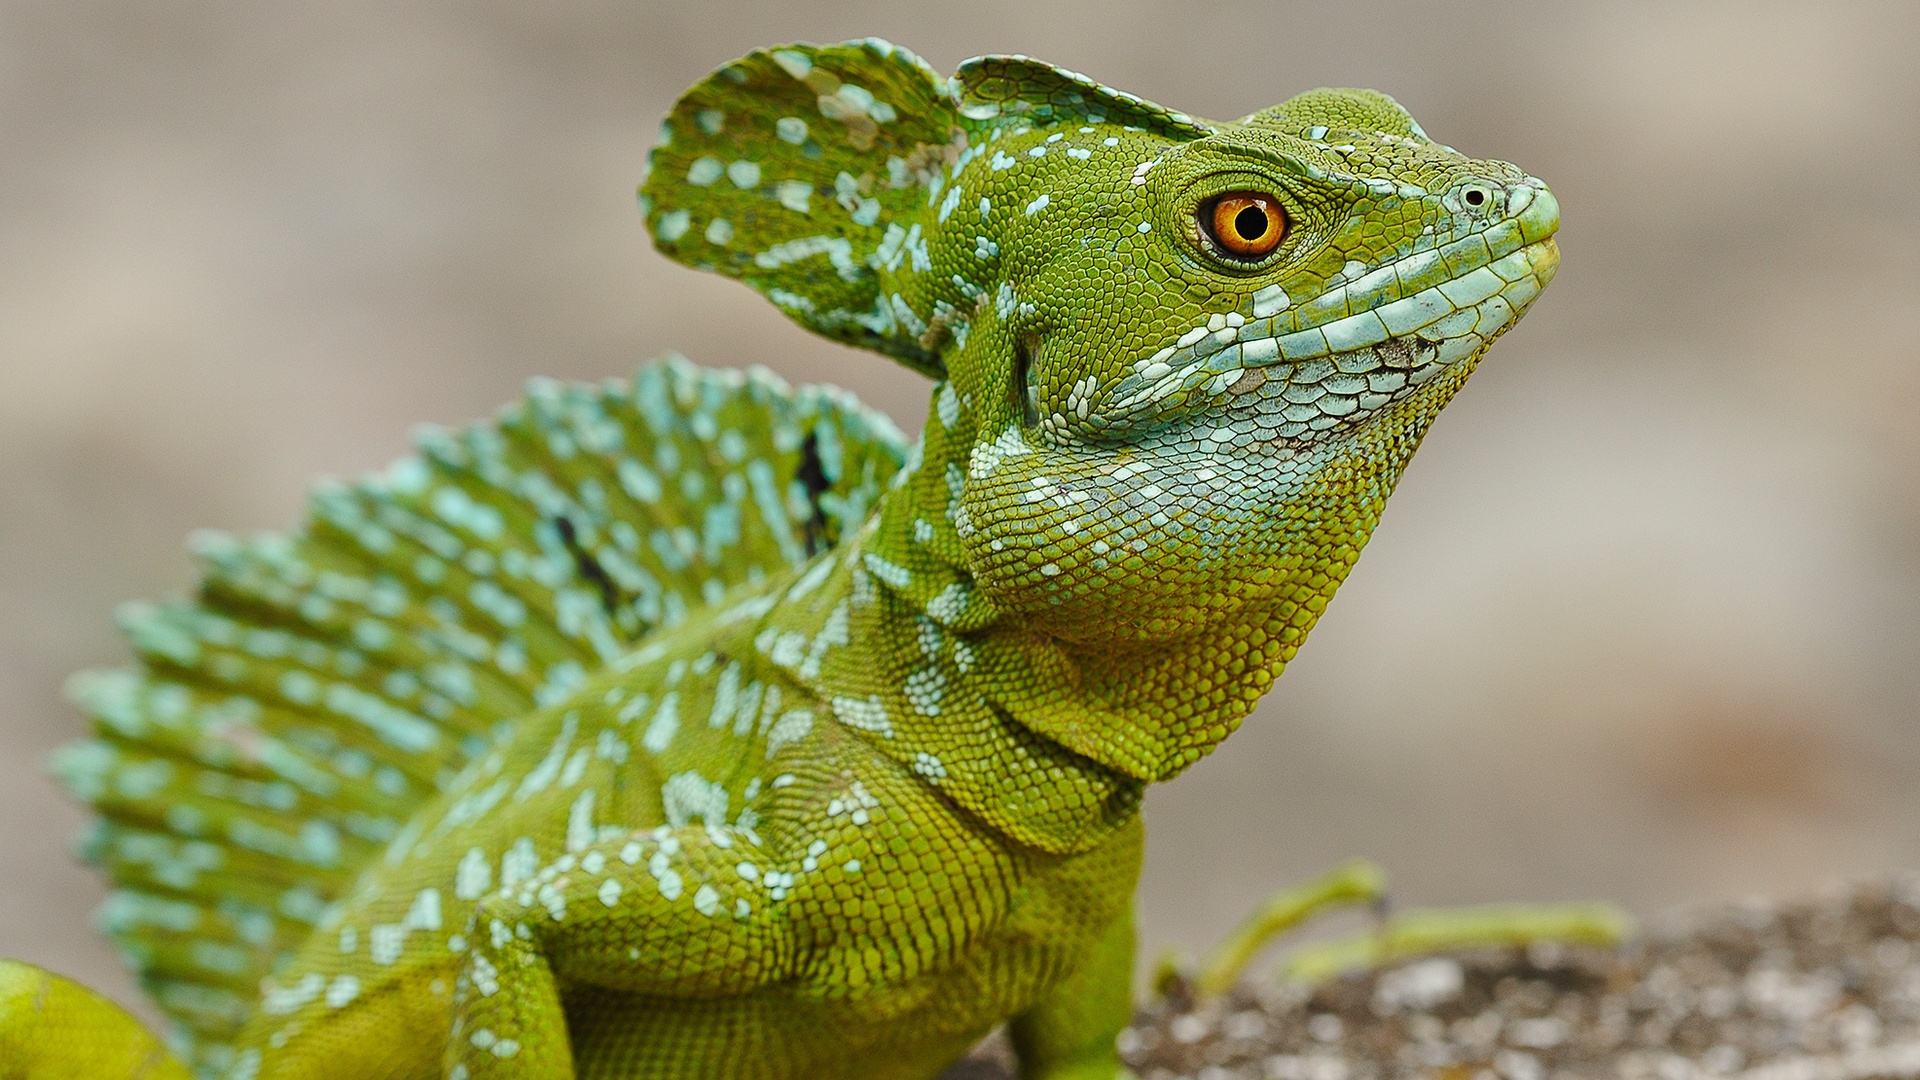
(1250, 223)
(1475, 197)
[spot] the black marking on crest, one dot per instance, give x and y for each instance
(590, 568)
(812, 475)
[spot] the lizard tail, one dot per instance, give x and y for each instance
(283, 723)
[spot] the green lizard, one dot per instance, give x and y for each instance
(698, 726)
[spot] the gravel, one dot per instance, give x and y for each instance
(1826, 989)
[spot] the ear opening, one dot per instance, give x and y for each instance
(1026, 392)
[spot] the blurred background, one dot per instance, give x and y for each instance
(1641, 623)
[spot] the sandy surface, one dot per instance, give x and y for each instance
(1826, 989)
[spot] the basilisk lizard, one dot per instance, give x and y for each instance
(698, 725)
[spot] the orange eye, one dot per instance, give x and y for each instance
(1246, 224)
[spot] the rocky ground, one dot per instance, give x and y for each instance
(1828, 989)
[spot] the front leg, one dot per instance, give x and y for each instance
(1072, 1032)
(676, 912)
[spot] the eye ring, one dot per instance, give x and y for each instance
(1477, 198)
(1246, 226)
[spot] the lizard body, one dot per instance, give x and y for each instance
(698, 727)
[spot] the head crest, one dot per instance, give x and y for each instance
(816, 173)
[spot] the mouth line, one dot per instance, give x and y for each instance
(1451, 319)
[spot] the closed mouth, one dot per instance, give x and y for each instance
(1355, 363)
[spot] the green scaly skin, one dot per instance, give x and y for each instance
(838, 813)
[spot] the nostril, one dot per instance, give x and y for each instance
(1475, 197)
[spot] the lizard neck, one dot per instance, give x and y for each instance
(1091, 673)
(1045, 717)
(890, 634)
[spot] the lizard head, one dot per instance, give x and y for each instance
(1218, 352)
(1181, 363)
